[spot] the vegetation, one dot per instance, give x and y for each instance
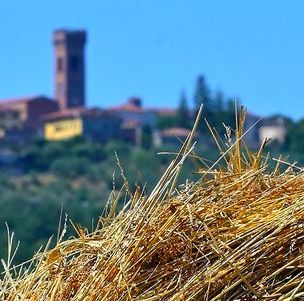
(217, 109)
(75, 175)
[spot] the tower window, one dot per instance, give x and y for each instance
(74, 63)
(60, 64)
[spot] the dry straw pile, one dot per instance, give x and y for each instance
(236, 234)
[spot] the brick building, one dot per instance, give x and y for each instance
(69, 68)
(25, 113)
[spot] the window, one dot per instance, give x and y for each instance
(59, 64)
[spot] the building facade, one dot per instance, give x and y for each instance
(273, 128)
(10, 119)
(95, 124)
(133, 111)
(173, 136)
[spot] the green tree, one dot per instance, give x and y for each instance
(219, 101)
(202, 96)
(201, 93)
(146, 138)
(294, 136)
(183, 118)
(165, 122)
(71, 167)
(229, 113)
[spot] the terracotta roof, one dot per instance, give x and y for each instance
(64, 113)
(9, 101)
(177, 132)
(77, 112)
(128, 107)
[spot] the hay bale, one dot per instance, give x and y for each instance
(235, 234)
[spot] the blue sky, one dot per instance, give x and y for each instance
(252, 50)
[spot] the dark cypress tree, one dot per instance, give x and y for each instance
(183, 118)
(218, 102)
(230, 112)
(201, 94)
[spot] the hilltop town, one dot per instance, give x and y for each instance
(66, 114)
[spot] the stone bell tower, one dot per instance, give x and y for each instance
(69, 81)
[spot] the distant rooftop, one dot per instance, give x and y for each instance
(177, 132)
(134, 104)
(77, 112)
(10, 101)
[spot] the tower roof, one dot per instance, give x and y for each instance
(69, 36)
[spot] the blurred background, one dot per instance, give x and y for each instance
(83, 80)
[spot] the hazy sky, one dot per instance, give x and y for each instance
(253, 50)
